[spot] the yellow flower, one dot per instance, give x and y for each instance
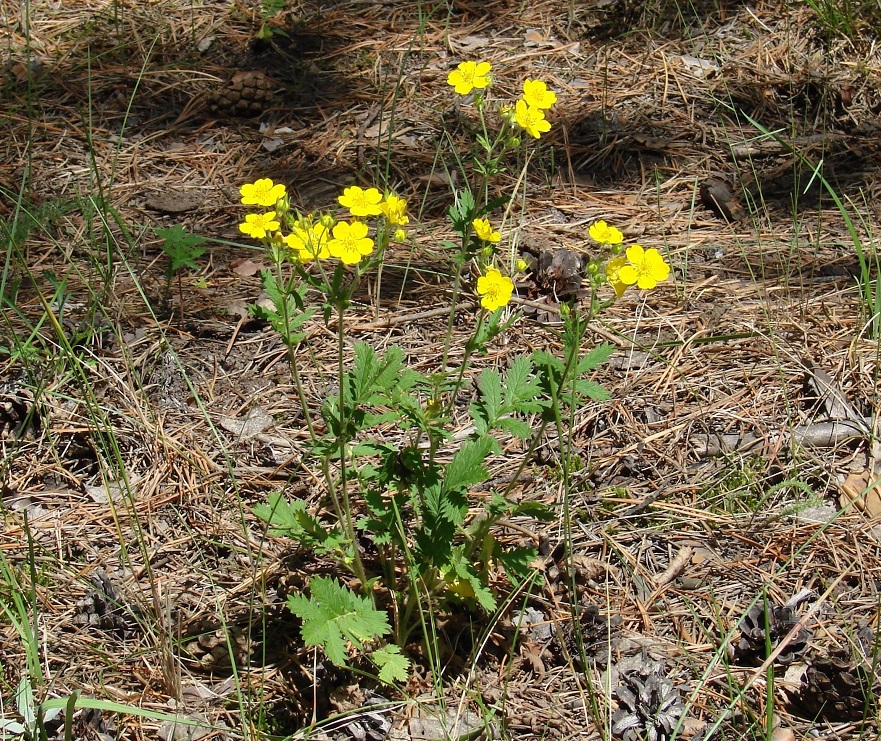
(400, 235)
(310, 243)
(495, 289)
(395, 210)
(645, 268)
(537, 95)
(613, 275)
(361, 202)
(484, 231)
(604, 234)
(262, 193)
(470, 75)
(350, 242)
(256, 225)
(531, 119)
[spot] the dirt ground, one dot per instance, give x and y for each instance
(743, 389)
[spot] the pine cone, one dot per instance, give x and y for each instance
(102, 608)
(559, 273)
(20, 414)
(839, 687)
(600, 636)
(650, 704)
(756, 636)
(248, 92)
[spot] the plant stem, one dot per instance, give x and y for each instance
(342, 441)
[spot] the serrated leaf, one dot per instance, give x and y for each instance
(490, 384)
(516, 427)
(281, 515)
(542, 358)
(467, 466)
(465, 573)
(393, 666)
(595, 358)
(290, 519)
(334, 615)
(517, 562)
(531, 508)
(592, 390)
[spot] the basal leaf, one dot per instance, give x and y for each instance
(334, 615)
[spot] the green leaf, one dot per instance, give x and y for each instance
(517, 562)
(288, 315)
(516, 427)
(393, 666)
(467, 466)
(334, 615)
(531, 508)
(595, 358)
(181, 246)
(592, 390)
(522, 387)
(289, 519)
(463, 571)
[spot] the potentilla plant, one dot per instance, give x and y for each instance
(403, 522)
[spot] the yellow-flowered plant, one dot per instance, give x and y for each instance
(537, 95)
(309, 243)
(640, 267)
(604, 234)
(644, 268)
(396, 490)
(613, 275)
(531, 119)
(350, 242)
(395, 210)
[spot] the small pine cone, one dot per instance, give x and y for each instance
(756, 634)
(246, 92)
(600, 636)
(838, 688)
(102, 608)
(650, 706)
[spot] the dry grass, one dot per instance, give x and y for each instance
(120, 94)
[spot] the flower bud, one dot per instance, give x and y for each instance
(400, 235)
(513, 142)
(521, 266)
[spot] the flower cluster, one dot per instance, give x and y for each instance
(320, 237)
(529, 110)
(530, 107)
(644, 268)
